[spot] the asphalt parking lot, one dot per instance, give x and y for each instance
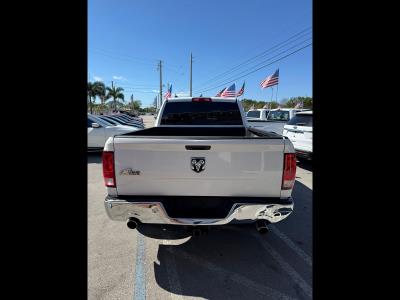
(230, 262)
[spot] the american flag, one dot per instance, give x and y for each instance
(299, 105)
(229, 92)
(241, 91)
(219, 94)
(168, 94)
(270, 80)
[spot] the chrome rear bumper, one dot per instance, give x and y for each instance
(155, 213)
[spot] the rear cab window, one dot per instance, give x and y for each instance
(201, 113)
(278, 115)
(253, 114)
(301, 120)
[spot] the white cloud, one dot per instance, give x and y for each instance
(96, 78)
(122, 78)
(183, 94)
(155, 91)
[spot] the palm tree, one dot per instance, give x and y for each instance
(91, 93)
(101, 93)
(94, 89)
(115, 93)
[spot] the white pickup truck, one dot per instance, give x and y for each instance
(199, 166)
(273, 121)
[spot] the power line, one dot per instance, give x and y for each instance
(282, 52)
(264, 53)
(279, 59)
(177, 70)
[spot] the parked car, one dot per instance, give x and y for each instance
(199, 166)
(100, 130)
(116, 120)
(128, 118)
(275, 120)
(134, 116)
(299, 130)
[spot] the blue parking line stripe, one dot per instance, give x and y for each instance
(140, 280)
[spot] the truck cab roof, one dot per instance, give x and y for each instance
(305, 112)
(259, 109)
(287, 109)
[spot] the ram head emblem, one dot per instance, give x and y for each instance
(198, 164)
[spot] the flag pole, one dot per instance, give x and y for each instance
(272, 95)
(277, 92)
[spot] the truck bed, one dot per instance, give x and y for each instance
(215, 132)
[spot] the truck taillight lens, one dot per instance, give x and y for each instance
(289, 171)
(108, 168)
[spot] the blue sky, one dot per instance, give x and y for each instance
(126, 38)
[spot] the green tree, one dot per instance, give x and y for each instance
(115, 93)
(273, 105)
(136, 104)
(101, 93)
(94, 89)
(306, 101)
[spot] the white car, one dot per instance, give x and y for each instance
(100, 130)
(299, 130)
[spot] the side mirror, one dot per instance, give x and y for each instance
(95, 125)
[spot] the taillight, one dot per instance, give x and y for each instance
(108, 168)
(289, 171)
(201, 100)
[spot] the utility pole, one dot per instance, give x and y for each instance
(160, 69)
(191, 62)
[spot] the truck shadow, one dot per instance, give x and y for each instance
(230, 261)
(305, 164)
(94, 157)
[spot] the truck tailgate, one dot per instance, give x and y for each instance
(232, 167)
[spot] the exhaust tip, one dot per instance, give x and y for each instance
(132, 223)
(263, 230)
(261, 226)
(196, 232)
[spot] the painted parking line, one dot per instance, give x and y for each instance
(266, 291)
(172, 273)
(292, 245)
(285, 266)
(140, 280)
